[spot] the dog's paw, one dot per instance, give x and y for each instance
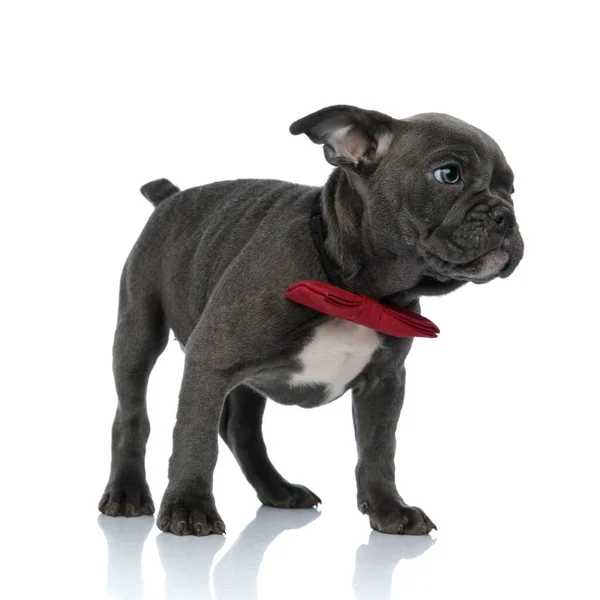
(192, 516)
(289, 495)
(395, 517)
(126, 497)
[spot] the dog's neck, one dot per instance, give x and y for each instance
(364, 264)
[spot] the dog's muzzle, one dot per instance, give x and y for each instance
(484, 244)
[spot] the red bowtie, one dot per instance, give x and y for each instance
(337, 302)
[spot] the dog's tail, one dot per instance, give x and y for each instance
(158, 190)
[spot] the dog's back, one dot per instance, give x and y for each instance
(189, 238)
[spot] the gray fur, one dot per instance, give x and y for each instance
(213, 264)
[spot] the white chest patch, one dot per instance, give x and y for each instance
(337, 353)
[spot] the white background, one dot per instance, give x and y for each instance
(498, 439)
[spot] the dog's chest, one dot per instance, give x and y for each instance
(335, 355)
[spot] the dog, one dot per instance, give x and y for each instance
(414, 207)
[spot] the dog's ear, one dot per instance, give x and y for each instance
(350, 135)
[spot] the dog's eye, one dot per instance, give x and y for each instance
(447, 174)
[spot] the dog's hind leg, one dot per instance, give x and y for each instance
(241, 428)
(140, 338)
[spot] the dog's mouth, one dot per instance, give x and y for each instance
(499, 261)
(485, 268)
(480, 270)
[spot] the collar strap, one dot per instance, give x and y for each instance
(318, 231)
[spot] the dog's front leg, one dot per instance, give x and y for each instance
(188, 505)
(376, 408)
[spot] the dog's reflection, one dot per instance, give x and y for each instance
(236, 573)
(377, 560)
(125, 541)
(187, 561)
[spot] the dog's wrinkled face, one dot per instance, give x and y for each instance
(432, 181)
(456, 188)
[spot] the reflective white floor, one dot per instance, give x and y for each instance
(270, 554)
(192, 568)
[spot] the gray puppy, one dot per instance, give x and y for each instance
(414, 207)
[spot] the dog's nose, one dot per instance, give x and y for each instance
(503, 217)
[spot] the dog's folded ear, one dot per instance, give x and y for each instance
(350, 135)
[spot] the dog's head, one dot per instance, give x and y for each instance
(432, 181)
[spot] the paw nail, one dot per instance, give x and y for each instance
(164, 524)
(219, 527)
